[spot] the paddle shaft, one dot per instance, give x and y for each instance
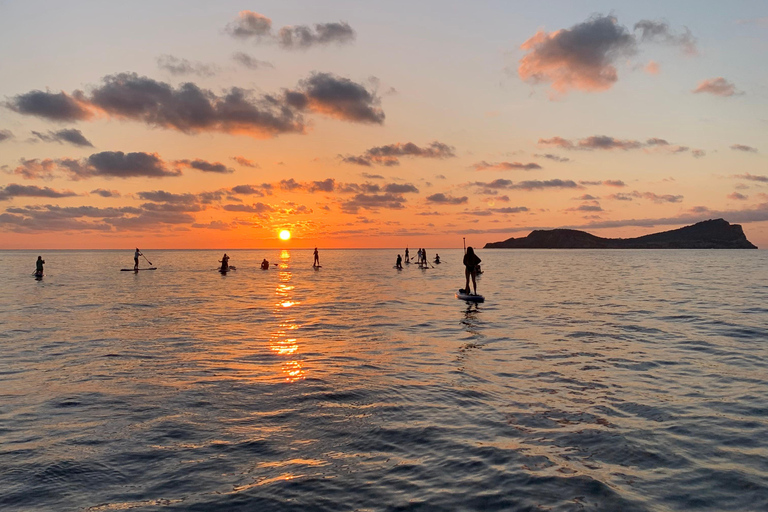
(142, 255)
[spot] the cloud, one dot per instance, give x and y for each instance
(253, 208)
(506, 166)
(214, 224)
(13, 190)
(249, 24)
(540, 185)
(106, 193)
(660, 32)
(190, 109)
(71, 135)
(327, 185)
(116, 164)
(397, 188)
(586, 208)
(373, 202)
(698, 153)
(5, 135)
(652, 68)
(247, 190)
(666, 198)
(604, 142)
(255, 26)
(35, 169)
(752, 177)
(202, 165)
(161, 196)
(54, 106)
(556, 158)
(249, 62)
(372, 176)
(579, 58)
(742, 147)
(178, 66)
(303, 37)
(718, 86)
(390, 154)
(446, 199)
(737, 197)
(336, 97)
(245, 162)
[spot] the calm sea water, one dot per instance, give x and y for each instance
(588, 380)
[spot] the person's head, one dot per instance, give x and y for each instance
(470, 250)
(39, 257)
(225, 255)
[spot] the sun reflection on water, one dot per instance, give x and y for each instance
(283, 341)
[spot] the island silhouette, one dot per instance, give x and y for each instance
(709, 234)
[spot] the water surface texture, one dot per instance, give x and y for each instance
(588, 380)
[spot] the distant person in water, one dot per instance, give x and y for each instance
(407, 257)
(39, 268)
(317, 259)
(136, 259)
(471, 261)
(399, 264)
(424, 261)
(265, 264)
(437, 258)
(224, 263)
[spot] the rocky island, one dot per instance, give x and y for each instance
(709, 234)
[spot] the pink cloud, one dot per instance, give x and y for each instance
(718, 86)
(579, 58)
(652, 68)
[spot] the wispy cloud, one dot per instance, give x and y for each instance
(13, 190)
(258, 28)
(717, 86)
(70, 136)
(506, 166)
(178, 66)
(742, 147)
(390, 154)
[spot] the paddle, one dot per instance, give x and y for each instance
(150, 263)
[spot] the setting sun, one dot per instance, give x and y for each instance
(285, 235)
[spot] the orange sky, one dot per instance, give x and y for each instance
(358, 127)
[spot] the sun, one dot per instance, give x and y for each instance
(285, 235)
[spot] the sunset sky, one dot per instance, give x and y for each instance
(197, 124)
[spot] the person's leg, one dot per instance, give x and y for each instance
(474, 281)
(135, 263)
(466, 274)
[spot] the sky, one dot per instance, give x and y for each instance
(195, 124)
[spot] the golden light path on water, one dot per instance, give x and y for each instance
(284, 341)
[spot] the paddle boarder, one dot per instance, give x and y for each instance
(399, 264)
(224, 263)
(265, 264)
(437, 258)
(39, 266)
(407, 256)
(317, 259)
(471, 261)
(136, 259)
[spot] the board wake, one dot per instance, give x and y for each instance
(136, 269)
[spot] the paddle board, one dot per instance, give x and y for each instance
(136, 269)
(228, 269)
(469, 296)
(317, 266)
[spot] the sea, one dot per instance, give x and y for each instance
(632, 380)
